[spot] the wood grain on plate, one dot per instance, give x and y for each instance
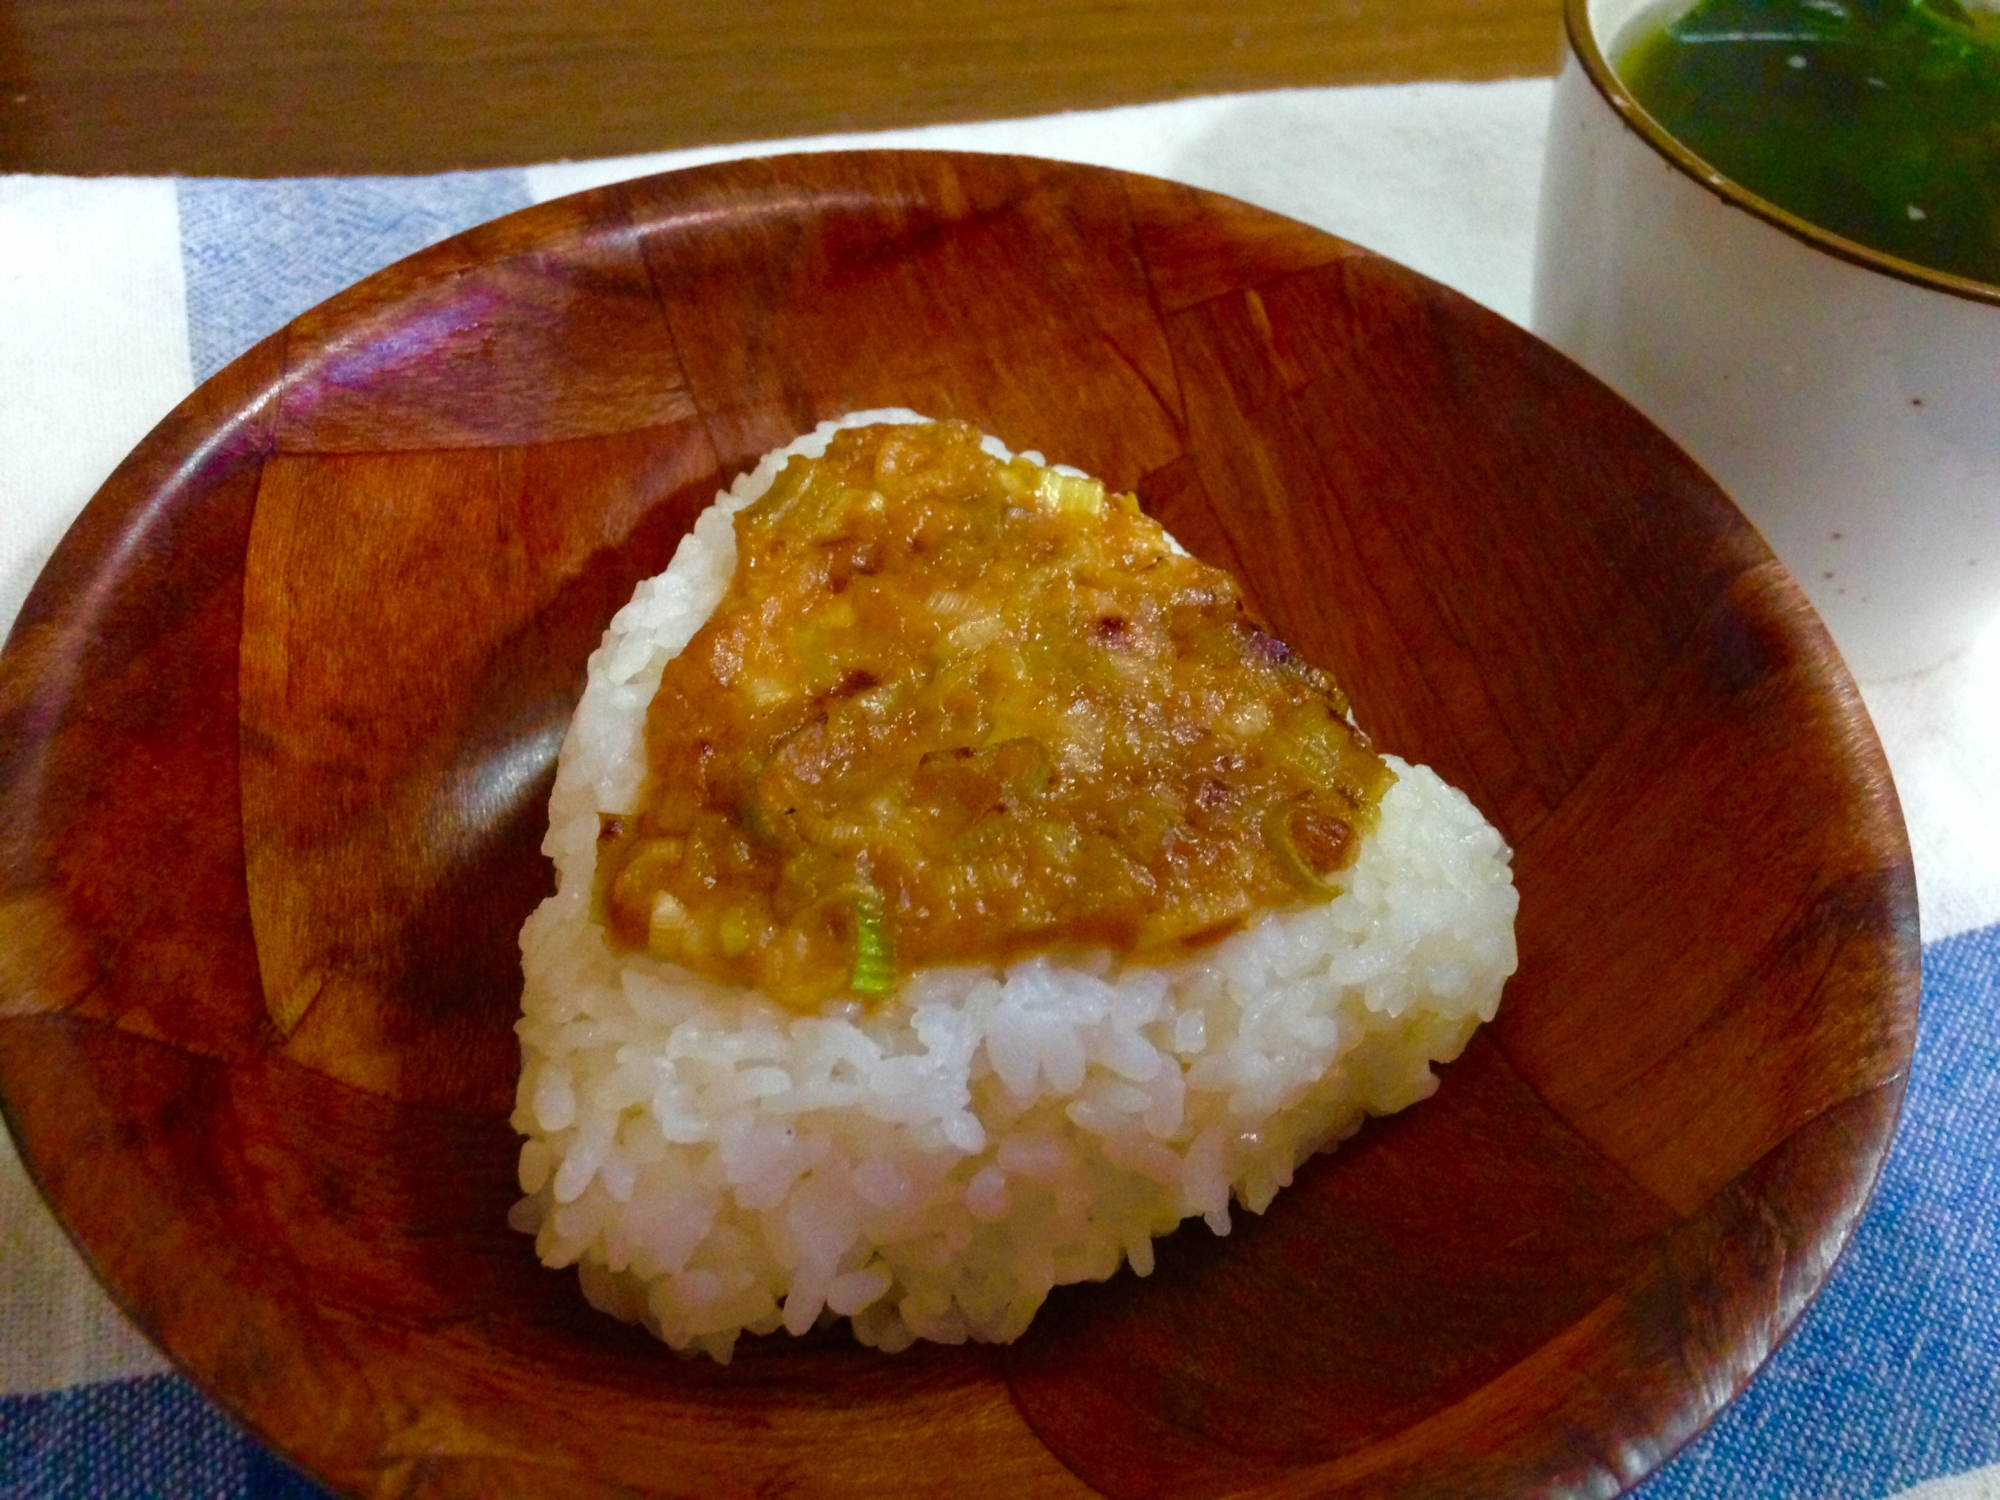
(280, 720)
(287, 88)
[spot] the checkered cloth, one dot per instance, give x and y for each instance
(117, 296)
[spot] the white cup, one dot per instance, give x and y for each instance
(1847, 400)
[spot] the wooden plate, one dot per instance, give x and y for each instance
(280, 719)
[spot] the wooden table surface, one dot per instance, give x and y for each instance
(294, 87)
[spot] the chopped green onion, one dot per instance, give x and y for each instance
(814, 660)
(874, 953)
(1016, 478)
(1314, 745)
(1279, 839)
(984, 836)
(974, 634)
(1070, 492)
(806, 498)
(733, 933)
(784, 491)
(756, 818)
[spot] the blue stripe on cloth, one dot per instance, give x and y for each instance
(257, 254)
(1893, 1375)
(153, 1438)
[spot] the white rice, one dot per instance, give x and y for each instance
(930, 1167)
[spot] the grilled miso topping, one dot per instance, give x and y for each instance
(955, 710)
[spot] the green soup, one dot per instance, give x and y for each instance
(1879, 119)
